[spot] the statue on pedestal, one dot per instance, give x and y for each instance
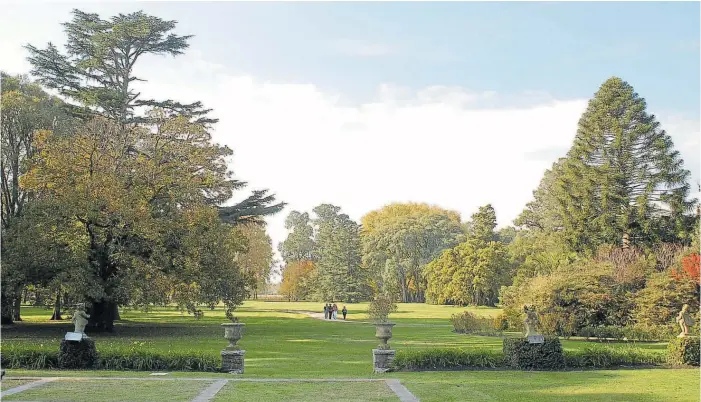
(684, 320)
(531, 321)
(80, 319)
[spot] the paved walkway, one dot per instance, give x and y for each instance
(320, 316)
(211, 391)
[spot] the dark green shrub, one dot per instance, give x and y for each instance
(520, 354)
(599, 356)
(683, 351)
(36, 357)
(436, 359)
(468, 323)
(77, 355)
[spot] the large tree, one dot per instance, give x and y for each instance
(339, 276)
(96, 73)
(26, 109)
(138, 203)
(543, 212)
(299, 244)
(400, 239)
(621, 174)
(473, 271)
(257, 259)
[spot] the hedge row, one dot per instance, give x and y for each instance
(38, 358)
(595, 357)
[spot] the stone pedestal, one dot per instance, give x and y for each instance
(382, 359)
(232, 361)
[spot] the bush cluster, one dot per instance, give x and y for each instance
(683, 351)
(436, 359)
(638, 332)
(468, 323)
(35, 357)
(520, 354)
(600, 356)
(77, 355)
(594, 357)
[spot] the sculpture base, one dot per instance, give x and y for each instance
(77, 355)
(382, 360)
(232, 361)
(75, 336)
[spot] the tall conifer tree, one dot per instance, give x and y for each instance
(622, 174)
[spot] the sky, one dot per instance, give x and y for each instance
(364, 104)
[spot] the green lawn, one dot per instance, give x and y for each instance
(79, 390)
(306, 392)
(283, 342)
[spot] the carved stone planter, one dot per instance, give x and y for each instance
(383, 332)
(233, 356)
(233, 331)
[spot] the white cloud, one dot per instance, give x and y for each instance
(442, 145)
(438, 145)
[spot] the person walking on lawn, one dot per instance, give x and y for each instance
(344, 311)
(326, 311)
(334, 310)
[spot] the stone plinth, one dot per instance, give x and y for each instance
(382, 359)
(232, 361)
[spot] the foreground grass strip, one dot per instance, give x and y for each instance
(85, 390)
(306, 391)
(401, 391)
(208, 393)
(12, 383)
(27, 386)
(643, 385)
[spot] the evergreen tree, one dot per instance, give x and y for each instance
(338, 251)
(97, 72)
(299, 244)
(543, 212)
(473, 271)
(622, 174)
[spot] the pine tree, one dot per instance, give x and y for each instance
(97, 73)
(621, 175)
(338, 250)
(97, 69)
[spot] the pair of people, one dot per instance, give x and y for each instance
(331, 311)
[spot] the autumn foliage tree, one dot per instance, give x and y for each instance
(296, 280)
(139, 204)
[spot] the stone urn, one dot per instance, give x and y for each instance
(233, 331)
(383, 332)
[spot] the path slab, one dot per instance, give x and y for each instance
(208, 393)
(25, 387)
(402, 392)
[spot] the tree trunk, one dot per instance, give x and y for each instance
(102, 316)
(16, 311)
(117, 317)
(6, 310)
(57, 307)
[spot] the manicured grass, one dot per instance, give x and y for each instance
(278, 341)
(591, 386)
(75, 390)
(283, 342)
(306, 392)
